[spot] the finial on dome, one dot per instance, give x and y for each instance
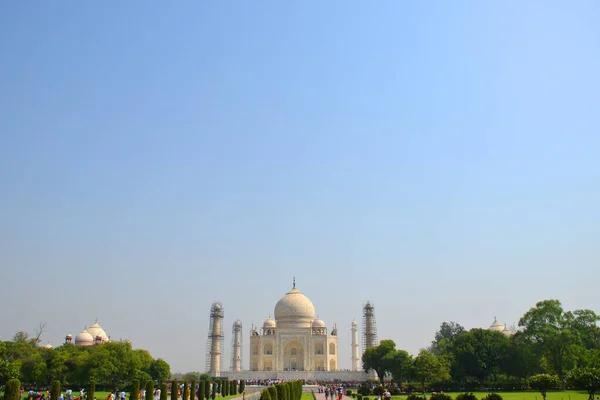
(294, 287)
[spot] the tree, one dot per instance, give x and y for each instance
(585, 378)
(8, 371)
(160, 370)
(21, 336)
(400, 365)
(149, 390)
(479, 354)
(38, 334)
(375, 358)
(555, 334)
(265, 395)
(193, 390)
(445, 336)
(232, 387)
(281, 393)
(207, 389)
(544, 382)
(427, 367)
(242, 386)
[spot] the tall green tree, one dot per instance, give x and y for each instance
(135, 389)
(375, 358)
(445, 336)
(163, 391)
(242, 386)
(185, 394)
(479, 354)
(160, 370)
(587, 379)
(428, 367)
(174, 390)
(400, 365)
(544, 382)
(193, 390)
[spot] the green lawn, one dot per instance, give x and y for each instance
(557, 395)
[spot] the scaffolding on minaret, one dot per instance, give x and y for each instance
(215, 342)
(369, 327)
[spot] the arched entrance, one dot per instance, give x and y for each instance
(293, 356)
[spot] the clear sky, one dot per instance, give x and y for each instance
(440, 159)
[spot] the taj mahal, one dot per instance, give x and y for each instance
(296, 344)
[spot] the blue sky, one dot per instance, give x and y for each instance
(439, 159)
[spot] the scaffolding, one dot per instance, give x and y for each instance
(236, 347)
(215, 342)
(369, 327)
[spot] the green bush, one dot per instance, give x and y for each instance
(466, 396)
(348, 392)
(364, 390)
(273, 392)
(135, 389)
(149, 390)
(265, 395)
(366, 398)
(492, 396)
(359, 396)
(201, 390)
(242, 386)
(206, 389)
(193, 390)
(91, 390)
(174, 387)
(11, 389)
(163, 392)
(213, 393)
(414, 397)
(233, 387)
(55, 392)
(440, 396)
(185, 395)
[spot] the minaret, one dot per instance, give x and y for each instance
(236, 353)
(215, 340)
(369, 327)
(355, 351)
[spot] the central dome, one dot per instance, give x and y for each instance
(294, 310)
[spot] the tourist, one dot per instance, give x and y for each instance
(69, 392)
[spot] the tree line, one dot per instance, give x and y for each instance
(550, 341)
(109, 364)
(283, 391)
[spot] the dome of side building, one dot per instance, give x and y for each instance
(84, 338)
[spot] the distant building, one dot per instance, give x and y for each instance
(502, 328)
(89, 336)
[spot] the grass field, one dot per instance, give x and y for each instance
(529, 395)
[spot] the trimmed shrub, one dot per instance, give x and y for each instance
(174, 387)
(185, 395)
(201, 390)
(280, 392)
(163, 392)
(364, 390)
(242, 386)
(55, 392)
(213, 392)
(264, 395)
(414, 397)
(492, 396)
(232, 387)
(12, 389)
(91, 394)
(359, 396)
(348, 392)
(466, 396)
(206, 389)
(135, 389)
(440, 396)
(149, 390)
(193, 390)
(273, 393)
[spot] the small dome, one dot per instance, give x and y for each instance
(318, 323)
(269, 323)
(96, 330)
(496, 326)
(353, 323)
(84, 338)
(69, 336)
(237, 323)
(507, 332)
(47, 346)
(294, 310)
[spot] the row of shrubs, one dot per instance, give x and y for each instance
(434, 396)
(283, 391)
(224, 388)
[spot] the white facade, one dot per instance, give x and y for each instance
(295, 340)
